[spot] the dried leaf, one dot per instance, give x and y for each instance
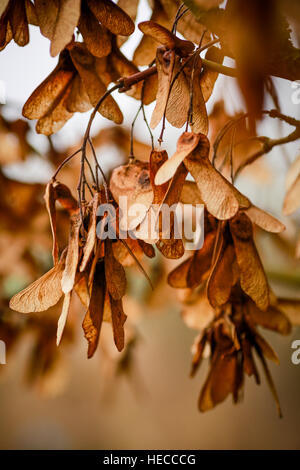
(291, 308)
(178, 277)
(86, 66)
(131, 8)
(190, 194)
(63, 318)
(66, 21)
(164, 37)
(165, 65)
(186, 143)
(221, 278)
(3, 6)
(201, 262)
(31, 13)
(264, 220)
(114, 273)
(18, 22)
(133, 182)
(248, 360)
(252, 276)
(78, 100)
(220, 197)
(65, 198)
(57, 21)
(41, 294)
(118, 320)
(68, 279)
(50, 90)
(199, 113)
(209, 76)
(157, 159)
(50, 197)
(171, 248)
(273, 318)
(56, 117)
(91, 236)
(150, 89)
(96, 37)
(147, 249)
(112, 17)
(179, 99)
(197, 357)
(81, 288)
(220, 381)
(94, 316)
(47, 13)
(6, 33)
(146, 50)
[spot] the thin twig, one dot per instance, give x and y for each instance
(66, 160)
(268, 143)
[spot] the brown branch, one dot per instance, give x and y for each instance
(268, 143)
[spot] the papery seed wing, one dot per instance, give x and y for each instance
(146, 50)
(197, 357)
(50, 197)
(86, 66)
(217, 193)
(178, 277)
(165, 65)
(78, 100)
(18, 23)
(114, 273)
(47, 13)
(157, 159)
(208, 76)
(199, 113)
(41, 294)
(248, 360)
(94, 316)
(221, 278)
(112, 17)
(291, 308)
(65, 198)
(91, 236)
(186, 143)
(63, 317)
(273, 318)
(201, 261)
(96, 37)
(179, 100)
(252, 276)
(44, 96)
(66, 21)
(264, 220)
(56, 117)
(72, 258)
(164, 37)
(118, 320)
(82, 289)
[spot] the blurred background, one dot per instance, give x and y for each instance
(143, 398)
